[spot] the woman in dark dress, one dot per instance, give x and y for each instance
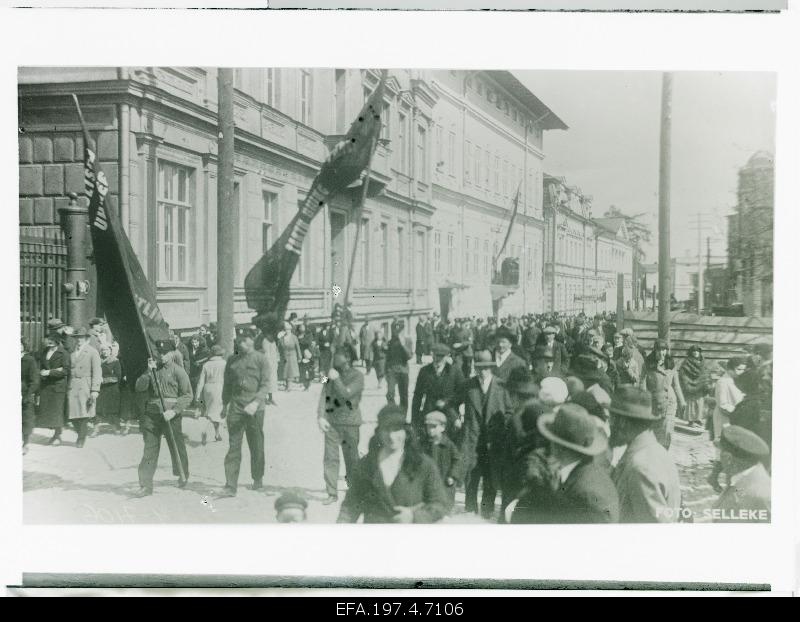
(379, 349)
(306, 342)
(54, 365)
(30, 386)
(108, 402)
(198, 355)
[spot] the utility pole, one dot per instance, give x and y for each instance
(226, 211)
(664, 173)
(708, 259)
(700, 291)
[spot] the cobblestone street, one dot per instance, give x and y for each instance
(95, 484)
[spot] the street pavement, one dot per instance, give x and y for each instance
(94, 485)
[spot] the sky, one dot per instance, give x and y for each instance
(611, 148)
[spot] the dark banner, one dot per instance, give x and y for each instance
(267, 283)
(124, 295)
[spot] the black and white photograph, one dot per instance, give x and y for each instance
(344, 294)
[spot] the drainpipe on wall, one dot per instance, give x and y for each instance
(124, 147)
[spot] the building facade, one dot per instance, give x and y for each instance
(454, 148)
(488, 145)
(750, 236)
(582, 255)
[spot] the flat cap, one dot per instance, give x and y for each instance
(436, 416)
(290, 499)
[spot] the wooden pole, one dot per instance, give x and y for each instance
(620, 301)
(664, 173)
(226, 211)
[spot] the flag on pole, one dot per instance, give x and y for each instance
(514, 210)
(124, 294)
(267, 283)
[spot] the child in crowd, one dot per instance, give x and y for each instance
(444, 453)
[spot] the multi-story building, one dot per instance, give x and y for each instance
(750, 236)
(455, 147)
(488, 144)
(156, 129)
(582, 255)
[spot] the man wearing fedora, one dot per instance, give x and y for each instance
(748, 495)
(487, 412)
(543, 363)
(549, 340)
(175, 389)
(579, 489)
(438, 387)
(85, 380)
(505, 360)
(646, 477)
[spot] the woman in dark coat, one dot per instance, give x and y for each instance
(395, 482)
(108, 402)
(695, 383)
(54, 367)
(30, 386)
(198, 355)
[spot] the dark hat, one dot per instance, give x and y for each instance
(391, 417)
(82, 332)
(743, 443)
(244, 333)
(440, 349)
(96, 320)
(290, 499)
(483, 358)
(164, 345)
(217, 350)
(54, 324)
(504, 333)
(583, 364)
(571, 426)
(590, 403)
(542, 353)
(633, 403)
(527, 388)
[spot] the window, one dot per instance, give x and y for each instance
(450, 253)
(384, 254)
(272, 88)
(475, 256)
(422, 160)
(306, 87)
(437, 252)
(467, 163)
(466, 254)
(401, 256)
(451, 152)
(421, 271)
(340, 101)
(529, 261)
(174, 205)
(477, 165)
(439, 146)
(505, 178)
(270, 207)
(402, 141)
(496, 174)
(479, 87)
(485, 257)
(487, 170)
(364, 252)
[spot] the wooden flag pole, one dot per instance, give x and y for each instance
(364, 189)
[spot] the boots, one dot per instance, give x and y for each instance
(713, 478)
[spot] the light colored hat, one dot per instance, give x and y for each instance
(436, 416)
(553, 391)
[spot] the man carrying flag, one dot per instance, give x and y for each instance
(176, 395)
(126, 299)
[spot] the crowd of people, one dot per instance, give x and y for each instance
(565, 418)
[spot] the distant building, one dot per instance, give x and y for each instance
(583, 255)
(750, 236)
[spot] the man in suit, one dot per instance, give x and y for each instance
(397, 356)
(646, 477)
(438, 387)
(556, 348)
(747, 498)
(487, 411)
(530, 335)
(505, 359)
(421, 346)
(580, 489)
(339, 418)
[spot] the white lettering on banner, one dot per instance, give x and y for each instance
(308, 210)
(147, 310)
(100, 220)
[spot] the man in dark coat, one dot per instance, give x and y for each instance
(505, 359)
(421, 347)
(339, 419)
(30, 385)
(54, 371)
(530, 335)
(579, 490)
(549, 339)
(487, 411)
(397, 357)
(748, 496)
(438, 387)
(438, 445)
